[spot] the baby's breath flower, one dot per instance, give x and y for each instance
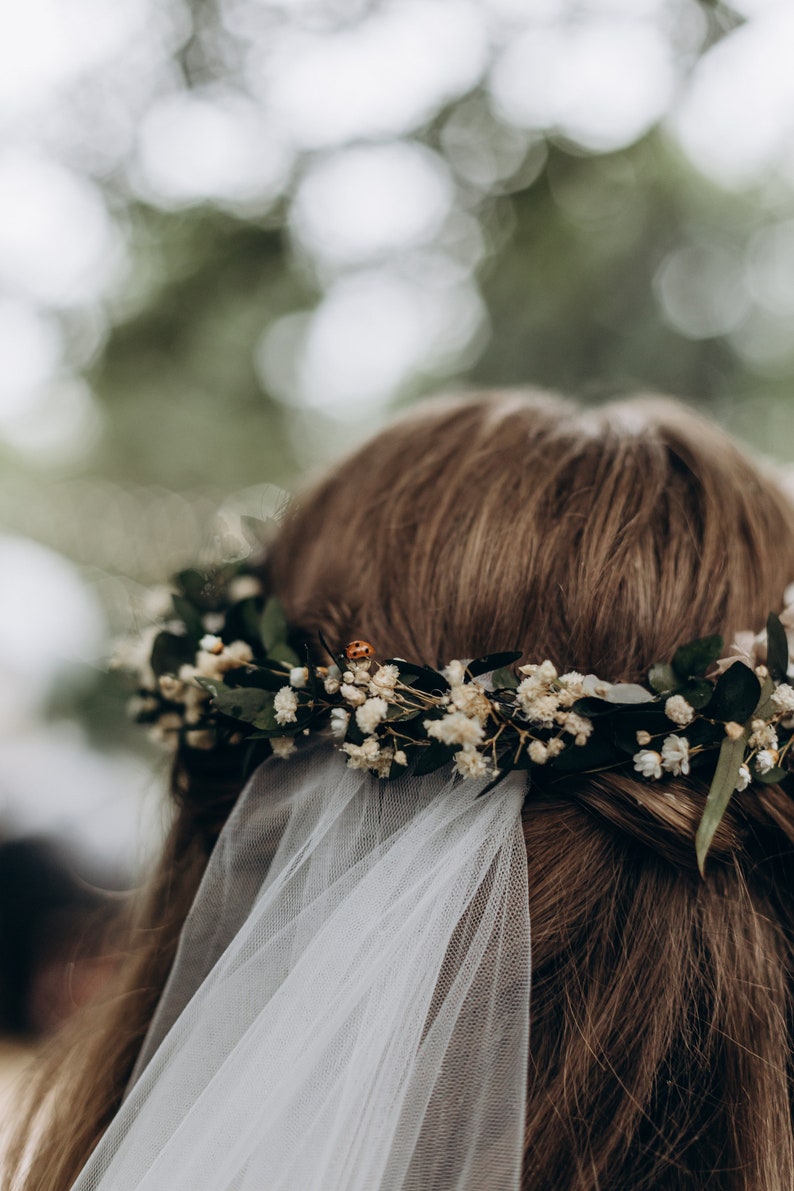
(332, 680)
(285, 705)
(675, 754)
(243, 587)
(455, 728)
(210, 643)
(539, 709)
(744, 779)
(455, 673)
(577, 725)
(643, 737)
(383, 762)
(283, 746)
(470, 763)
(679, 711)
(733, 730)
(172, 688)
(362, 756)
(370, 714)
(574, 682)
(764, 735)
(298, 677)
(471, 699)
(555, 746)
(201, 738)
(538, 752)
(400, 758)
(140, 705)
(766, 760)
(348, 676)
(339, 721)
(353, 694)
(648, 762)
(384, 679)
(783, 697)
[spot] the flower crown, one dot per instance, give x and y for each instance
(222, 669)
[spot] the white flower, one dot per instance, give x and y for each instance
(538, 752)
(675, 754)
(764, 735)
(744, 778)
(400, 758)
(243, 587)
(643, 737)
(555, 746)
(332, 680)
(471, 699)
(236, 654)
(615, 692)
(766, 760)
(455, 728)
(538, 708)
(210, 643)
(283, 746)
(577, 725)
(573, 681)
(384, 679)
(648, 762)
(455, 673)
(353, 694)
(213, 621)
(140, 705)
(203, 738)
(679, 711)
(733, 730)
(298, 677)
(470, 763)
(370, 714)
(362, 756)
(383, 762)
(172, 688)
(339, 721)
(547, 672)
(360, 672)
(783, 697)
(285, 705)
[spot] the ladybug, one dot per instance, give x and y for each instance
(355, 651)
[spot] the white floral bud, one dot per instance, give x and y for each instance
(733, 730)
(470, 763)
(643, 737)
(783, 697)
(764, 735)
(648, 762)
(353, 694)
(285, 705)
(538, 752)
(283, 746)
(400, 758)
(675, 754)
(171, 688)
(202, 738)
(455, 728)
(455, 673)
(370, 714)
(339, 721)
(679, 711)
(210, 643)
(298, 677)
(243, 587)
(766, 760)
(744, 779)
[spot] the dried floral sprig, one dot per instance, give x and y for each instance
(224, 669)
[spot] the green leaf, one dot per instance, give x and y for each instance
(776, 648)
(242, 621)
(261, 677)
(598, 753)
(243, 703)
(771, 777)
(170, 652)
(766, 708)
(693, 660)
(281, 652)
(434, 757)
(736, 694)
(504, 679)
(190, 617)
(266, 721)
(492, 661)
(663, 679)
(698, 694)
(722, 788)
(273, 624)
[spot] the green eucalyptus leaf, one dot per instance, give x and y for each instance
(723, 786)
(776, 648)
(698, 694)
(771, 777)
(170, 652)
(243, 703)
(213, 685)
(433, 757)
(592, 708)
(256, 676)
(766, 708)
(190, 617)
(663, 679)
(265, 721)
(598, 753)
(504, 679)
(492, 661)
(693, 660)
(736, 695)
(281, 652)
(273, 624)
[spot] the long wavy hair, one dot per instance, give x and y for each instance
(661, 1039)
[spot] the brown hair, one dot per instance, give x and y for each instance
(661, 1047)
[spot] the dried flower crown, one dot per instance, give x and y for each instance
(221, 670)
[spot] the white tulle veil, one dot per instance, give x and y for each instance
(349, 1005)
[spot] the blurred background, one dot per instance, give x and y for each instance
(236, 234)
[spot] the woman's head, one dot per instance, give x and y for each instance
(600, 539)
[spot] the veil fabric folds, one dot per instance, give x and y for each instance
(348, 1009)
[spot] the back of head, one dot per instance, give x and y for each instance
(661, 1006)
